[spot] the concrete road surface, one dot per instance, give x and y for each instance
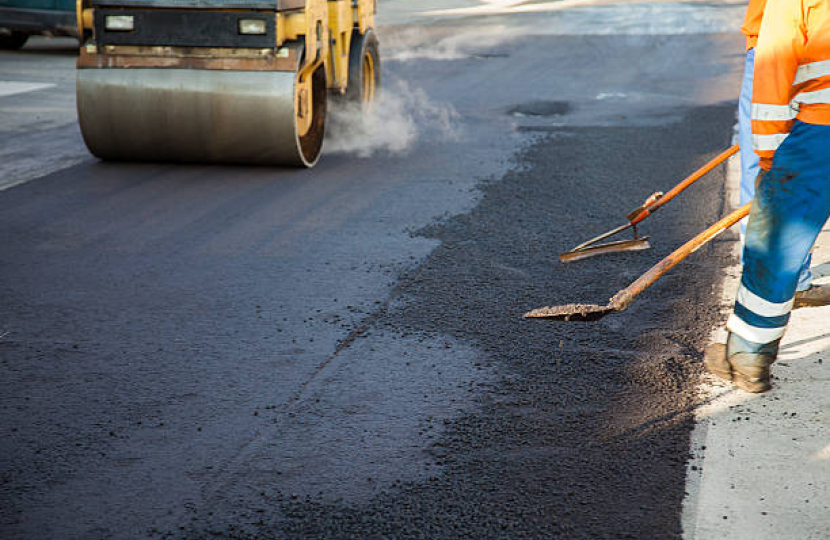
(242, 352)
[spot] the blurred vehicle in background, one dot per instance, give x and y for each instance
(20, 19)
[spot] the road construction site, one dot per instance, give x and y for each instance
(198, 350)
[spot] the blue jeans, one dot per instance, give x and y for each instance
(749, 159)
(789, 209)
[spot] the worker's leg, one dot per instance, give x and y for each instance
(790, 207)
(749, 159)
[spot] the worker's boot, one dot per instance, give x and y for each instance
(745, 363)
(816, 295)
(714, 359)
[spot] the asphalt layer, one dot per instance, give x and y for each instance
(585, 431)
(246, 352)
(526, 429)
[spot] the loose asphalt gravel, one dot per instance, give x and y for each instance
(584, 431)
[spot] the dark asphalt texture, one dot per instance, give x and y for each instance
(191, 352)
(586, 432)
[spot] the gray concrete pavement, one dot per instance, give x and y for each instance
(39, 130)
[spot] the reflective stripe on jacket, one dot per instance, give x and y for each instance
(792, 72)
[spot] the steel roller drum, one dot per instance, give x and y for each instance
(191, 115)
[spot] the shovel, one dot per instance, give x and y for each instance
(621, 300)
(592, 247)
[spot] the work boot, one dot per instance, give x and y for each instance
(816, 295)
(744, 363)
(714, 359)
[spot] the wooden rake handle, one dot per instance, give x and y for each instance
(657, 200)
(622, 299)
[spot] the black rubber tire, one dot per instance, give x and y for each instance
(362, 45)
(13, 41)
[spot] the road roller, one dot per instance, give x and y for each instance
(220, 81)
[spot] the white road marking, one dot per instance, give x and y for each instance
(27, 155)
(10, 88)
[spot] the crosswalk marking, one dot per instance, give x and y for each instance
(9, 88)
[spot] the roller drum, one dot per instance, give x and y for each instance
(192, 115)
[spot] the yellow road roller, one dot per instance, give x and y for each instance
(220, 81)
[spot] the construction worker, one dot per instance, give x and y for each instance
(749, 159)
(791, 135)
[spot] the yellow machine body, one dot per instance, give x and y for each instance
(241, 81)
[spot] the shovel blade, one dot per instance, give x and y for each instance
(570, 312)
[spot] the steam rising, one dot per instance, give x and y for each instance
(448, 41)
(394, 123)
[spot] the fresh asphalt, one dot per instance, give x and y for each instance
(191, 350)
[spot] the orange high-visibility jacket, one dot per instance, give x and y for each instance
(752, 22)
(792, 72)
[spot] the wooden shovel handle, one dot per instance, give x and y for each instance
(649, 208)
(622, 299)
